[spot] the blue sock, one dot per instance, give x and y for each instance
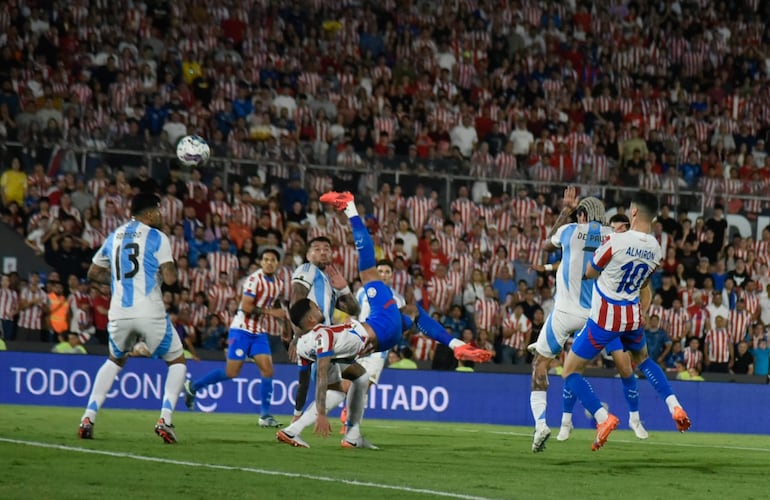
(568, 400)
(432, 328)
(406, 322)
(656, 377)
(266, 395)
(364, 244)
(631, 392)
(210, 378)
(579, 386)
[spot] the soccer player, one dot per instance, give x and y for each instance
(384, 326)
(248, 336)
(130, 260)
(578, 240)
(619, 224)
(622, 267)
(323, 284)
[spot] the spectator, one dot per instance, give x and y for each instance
(13, 184)
(401, 360)
(761, 354)
(744, 360)
(658, 341)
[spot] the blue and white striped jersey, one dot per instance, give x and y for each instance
(134, 253)
(319, 288)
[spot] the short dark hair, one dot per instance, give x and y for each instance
(144, 201)
(299, 310)
(319, 239)
(385, 262)
(272, 251)
(646, 202)
(621, 218)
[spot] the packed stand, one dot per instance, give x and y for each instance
(521, 97)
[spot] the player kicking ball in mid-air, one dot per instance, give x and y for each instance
(130, 260)
(578, 241)
(248, 336)
(380, 332)
(622, 267)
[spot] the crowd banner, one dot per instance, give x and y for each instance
(482, 398)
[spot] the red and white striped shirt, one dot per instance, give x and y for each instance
(692, 358)
(522, 329)
(346, 257)
(422, 347)
(265, 290)
(738, 325)
(179, 246)
(402, 281)
(32, 317)
(677, 323)
(719, 342)
(219, 295)
(418, 210)
(487, 310)
(223, 262)
(171, 210)
(9, 303)
(701, 320)
(439, 293)
(200, 280)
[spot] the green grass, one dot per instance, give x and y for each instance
(483, 461)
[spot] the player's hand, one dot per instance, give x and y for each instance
(336, 279)
(570, 197)
(322, 426)
(293, 351)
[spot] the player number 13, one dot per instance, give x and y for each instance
(132, 251)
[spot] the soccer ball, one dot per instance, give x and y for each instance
(192, 150)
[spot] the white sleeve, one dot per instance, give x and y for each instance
(304, 275)
(102, 257)
(556, 238)
(164, 250)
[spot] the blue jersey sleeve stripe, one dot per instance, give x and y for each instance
(150, 261)
(325, 354)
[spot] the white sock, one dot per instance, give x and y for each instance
(333, 400)
(353, 433)
(538, 403)
(174, 383)
(601, 415)
(105, 377)
(355, 400)
(566, 419)
(455, 343)
(672, 403)
(350, 209)
(633, 416)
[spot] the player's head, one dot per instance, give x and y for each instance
(620, 223)
(146, 208)
(305, 314)
(385, 270)
(319, 252)
(269, 260)
(644, 206)
(590, 210)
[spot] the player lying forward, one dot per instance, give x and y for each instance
(380, 332)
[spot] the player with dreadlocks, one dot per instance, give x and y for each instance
(578, 241)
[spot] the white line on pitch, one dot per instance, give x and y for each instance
(644, 443)
(264, 472)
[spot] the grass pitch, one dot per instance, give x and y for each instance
(228, 456)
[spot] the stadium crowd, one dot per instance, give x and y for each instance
(668, 96)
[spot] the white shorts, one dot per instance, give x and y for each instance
(374, 364)
(559, 325)
(158, 333)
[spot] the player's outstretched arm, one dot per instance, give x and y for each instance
(99, 274)
(346, 302)
(570, 205)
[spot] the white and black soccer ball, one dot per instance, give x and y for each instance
(192, 150)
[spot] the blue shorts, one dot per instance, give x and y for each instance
(592, 339)
(384, 318)
(242, 344)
